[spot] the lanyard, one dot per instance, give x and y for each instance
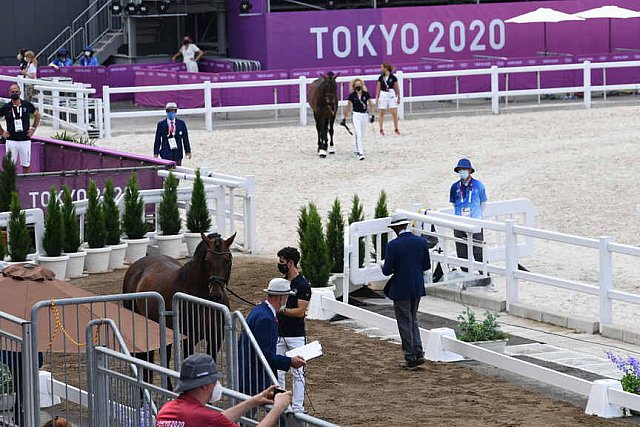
(15, 108)
(470, 186)
(364, 104)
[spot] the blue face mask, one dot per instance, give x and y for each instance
(171, 115)
(464, 174)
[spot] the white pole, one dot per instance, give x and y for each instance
(250, 214)
(345, 269)
(303, 100)
(400, 76)
(495, 88)
(511, 262)
(605, 280)
(587, 83)
(208, 112)
(106, 105)
(80, 107)
(55, 101)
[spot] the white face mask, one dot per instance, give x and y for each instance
(216, 394)
(87, 53)
(464, 174)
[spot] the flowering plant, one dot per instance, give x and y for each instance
(630, 367)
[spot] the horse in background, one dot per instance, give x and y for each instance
(205, 276)
(323, 98)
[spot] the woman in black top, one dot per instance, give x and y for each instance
(361, 105)
(388, 96)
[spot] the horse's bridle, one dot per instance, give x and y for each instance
(220, 280)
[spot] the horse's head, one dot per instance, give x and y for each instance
(214, 254)
(329, 88)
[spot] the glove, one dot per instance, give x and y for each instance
(343, 122)
(372, 119)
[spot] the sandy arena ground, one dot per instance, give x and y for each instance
(577, 166)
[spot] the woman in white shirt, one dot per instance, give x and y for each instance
(30, 72)
(190, 53)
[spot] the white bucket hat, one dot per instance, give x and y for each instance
(171, 106)
(279, 287)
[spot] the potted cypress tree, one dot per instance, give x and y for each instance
(71, 242)
(170, 241)
(19, 239)
(7, 186)
(335, 243)
(198, 218)
(112, 227)
(316, 263)
(381, 211)
(356, 215)
(97, 260)
(53, 238)
(3, 250)
(133, 222)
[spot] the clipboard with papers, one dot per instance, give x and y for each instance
(307, 352)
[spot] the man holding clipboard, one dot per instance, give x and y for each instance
(172, 137)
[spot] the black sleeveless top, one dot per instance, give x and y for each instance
(388, 82)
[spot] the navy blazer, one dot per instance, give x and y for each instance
(253, 378)
(407, 258)
(161, 143)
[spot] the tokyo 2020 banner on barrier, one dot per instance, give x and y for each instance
(401, 35)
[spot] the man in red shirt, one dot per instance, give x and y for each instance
(199, 384)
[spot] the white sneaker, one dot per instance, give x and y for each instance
(360, 156)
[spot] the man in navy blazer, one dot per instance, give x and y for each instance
(263, 324)
(407, 258)
(172, 137)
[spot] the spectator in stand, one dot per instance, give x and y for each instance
(172, 137)
(30, 72)
(62, 59)
(190, 53)
(88, 57)
(22, 61)
(19, 131)
(199, 384)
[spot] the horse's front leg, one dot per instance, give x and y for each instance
(322, 145)
(331, 123)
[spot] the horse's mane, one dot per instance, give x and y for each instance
(199, 257)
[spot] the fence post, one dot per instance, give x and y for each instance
(55, 102)
(106, 105)
(400, 76)
(28, 391)
(250, 214)
(80, 107)
(605, 281)
(587, 83)
(511, 262)
(302, 85)
(208, 113)
(345, 267)
(495, 89)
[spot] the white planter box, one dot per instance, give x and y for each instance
(97, 260)
(192, 240)
(170, 246)
(136, 249)
(498, 345)
(116, 260)
(315, 311)
(57, 264)
(75, 265)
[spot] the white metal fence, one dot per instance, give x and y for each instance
(492, 75)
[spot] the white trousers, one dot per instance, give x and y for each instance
(285, 344)
(20, 149)
(360, 121)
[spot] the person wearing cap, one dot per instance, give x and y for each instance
(468, 197)
(198, 385)
(406, 259)
(291, 319)
(172, 137)
(88, 57)
(62, 59)
(263, 323)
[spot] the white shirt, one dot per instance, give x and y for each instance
(273, 309)
(32, 70)
(188, 52)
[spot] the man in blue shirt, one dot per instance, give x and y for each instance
(469, 198)
(407, 258)
(88, 57)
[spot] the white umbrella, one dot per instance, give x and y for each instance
(609, 12)
(543, 15)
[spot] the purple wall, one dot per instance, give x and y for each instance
(72, 161)
(403, 35)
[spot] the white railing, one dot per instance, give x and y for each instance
(72, 109)
(492, 74)
(512, 240)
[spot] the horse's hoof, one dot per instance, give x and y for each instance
(322, 154)
(332, 150)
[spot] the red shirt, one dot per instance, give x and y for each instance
(186, 411)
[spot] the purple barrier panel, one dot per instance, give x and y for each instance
(155, 78)
(613, 75)
(312, 73)
(208, 65)
(7, 71)
(195, 98)
(36, 158)
(122, 75)
(444, 85)
(164, 66)
(253, 96)
(480, 83)
(95, 76)
(559, 78)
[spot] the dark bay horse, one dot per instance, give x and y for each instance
(323, 98)
(205, 276)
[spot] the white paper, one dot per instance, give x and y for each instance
(172, 143)
(307, 352)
